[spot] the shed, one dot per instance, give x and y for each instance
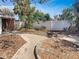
(6, 24)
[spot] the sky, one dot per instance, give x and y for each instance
(52, 7)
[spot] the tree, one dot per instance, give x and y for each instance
(40, 16)
(47, 16)
(68, 14)
(76, 12)
(24, 11)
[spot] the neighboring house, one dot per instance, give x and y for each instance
(55, 25)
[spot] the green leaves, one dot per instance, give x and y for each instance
(23, 17)
(47, 16)
(67, 14)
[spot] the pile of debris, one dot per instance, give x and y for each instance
(57, 49)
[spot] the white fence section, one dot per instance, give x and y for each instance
(60, 25)
(52, 25)
(19, 24)
(46, 24)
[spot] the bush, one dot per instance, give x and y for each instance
(72, 29)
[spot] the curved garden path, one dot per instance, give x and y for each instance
(26, 51)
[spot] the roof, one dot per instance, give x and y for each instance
(1, 16)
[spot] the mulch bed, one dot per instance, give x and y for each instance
(9, 44)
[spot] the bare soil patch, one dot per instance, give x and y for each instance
(53, 49)
(9, 44)
(36, 32)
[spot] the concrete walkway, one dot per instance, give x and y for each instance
(26, 51)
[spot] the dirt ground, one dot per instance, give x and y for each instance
(36, 32)
(56, 49)
(50, 48)
(9, 44)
